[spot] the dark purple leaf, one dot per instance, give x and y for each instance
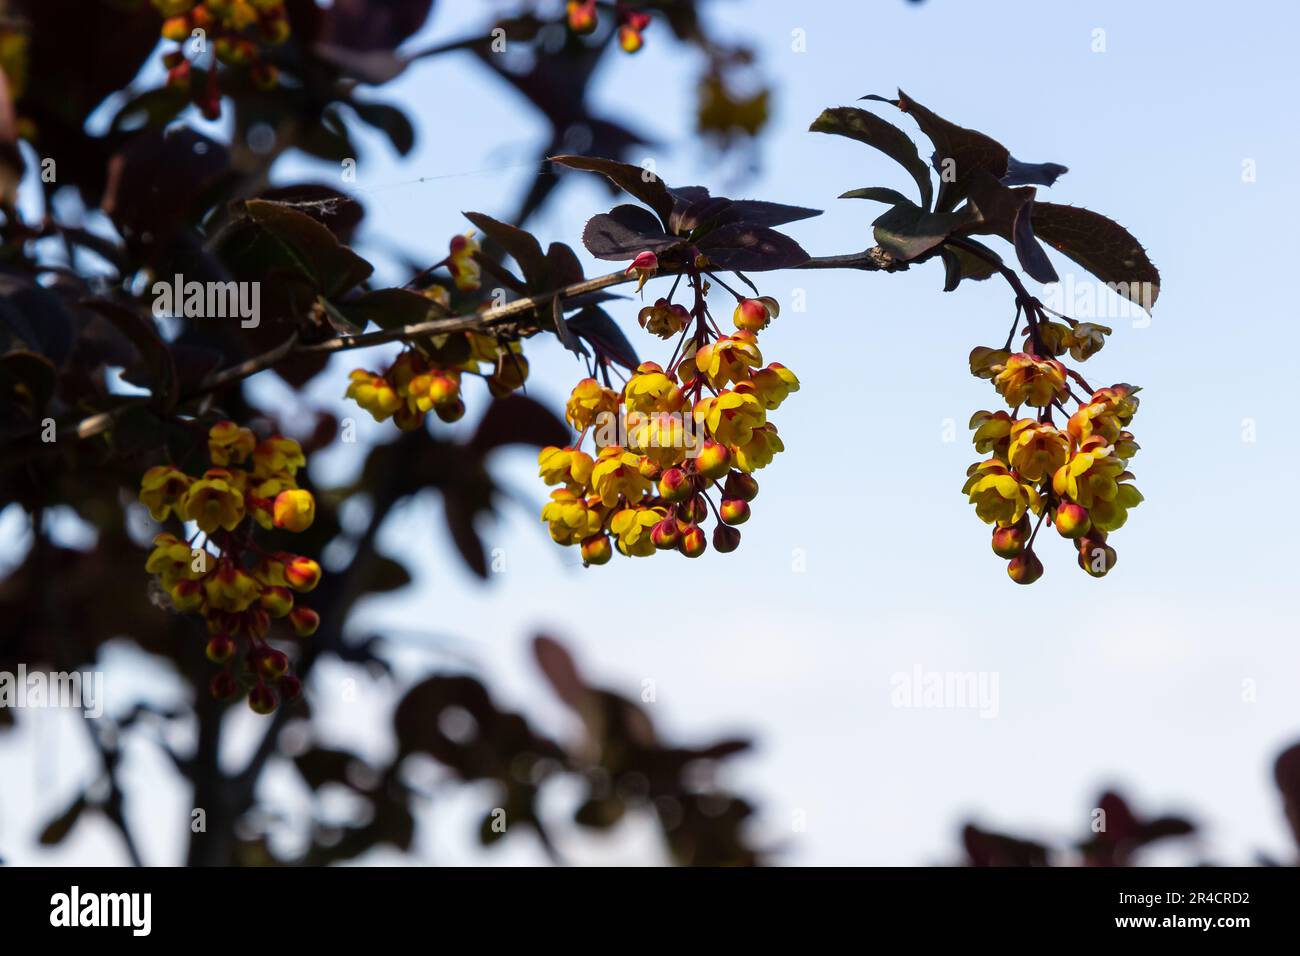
(624, 233)
(908, 231)
(374, 24)
(869, 128)
(521, 245)
(1102, 246)
(594, 324)
(634, 180)
(745, 248)
(1028, 250)
(1032, 174)
(518, 420)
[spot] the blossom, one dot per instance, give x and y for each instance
(214, 501)
(1027, 379)
(1037, 449)
(566, 466)
(999, 496)
(161, 490)
(588, 400)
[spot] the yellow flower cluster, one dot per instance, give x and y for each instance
(1076, 477)
(418, 382)
(236, 586)
(235, 29)
(661, 443)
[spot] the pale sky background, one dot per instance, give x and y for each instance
(1135, 681)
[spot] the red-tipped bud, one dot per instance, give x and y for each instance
(597, 550)
(1072, 520)
(693, 542)
(1009, 542)
(290, 687)
(714, 460)
(751, 315)
(220, 649)
(304, 621)
(277, 601)
(666, 534)
(630, 40)
(273, 663)
(302, 574)
(223, 686)
(1025, 568)
(675, 485)
(694, 511)
(725, 540)
(649, 469)
(733, 511)
(1097, 559)
(582, 16)
(262, 700)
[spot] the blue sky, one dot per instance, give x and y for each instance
(1135, 681)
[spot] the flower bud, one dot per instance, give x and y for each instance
(666, 534)
(733, 511)
(273, 663)
(290, 687)
(262, 700)
(187, 595)
(596, 550)
(295, 510)
(725, 539)
(714, 460)
(693, 542)
(223, 686)
(304, 621)
(675, 485)
(1098, 559)
(1009, 542)
(1025, 568)
(302, 573)
(740, 485)
(751, 315)
(220, 649)
(1072, 520)
(451, 412)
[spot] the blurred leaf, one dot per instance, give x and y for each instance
(521, 246)
(157, 357)
(389, 120)
(594, 324)
(57, 830)
(322, 765)
(390, 308)
(561, 671)
(384, 575)
(319, 255)
(374, 24)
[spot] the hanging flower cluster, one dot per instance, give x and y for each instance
(1075, 477)
(670, 437)
(233, 583)
(426, 377)
(233, 31)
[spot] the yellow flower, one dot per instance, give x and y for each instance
(758, 452)
(774, 384)
(661, 437)
(1025, 379)
(161, 490)
(587, 401)
(1037, 449)
(986, 362)
(1086, 340)
(998, 495)
(567, 466)
(214, 501)
(731, 416)
(632, 527)
(663, 319)
(1110, 515)
(231, 589)
(295, 509)
(650, 390)
(277, 455)
(228, 444)
(570, 517)
(618, 472)
(374, 393)
(1091, 475)
(992, 433)
(461, 263)
(728, 359)
(1105, 414)
(173, 560)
